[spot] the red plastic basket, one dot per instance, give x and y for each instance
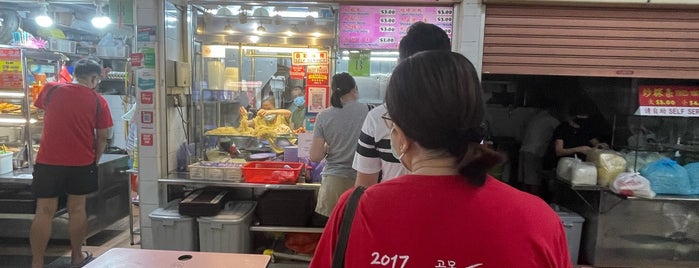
(271, 172)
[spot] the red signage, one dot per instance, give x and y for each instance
(137, 59)
(146, 97)
(669, 100)
(318, 75)
(297, 72)
(146, 139)
(10, 68)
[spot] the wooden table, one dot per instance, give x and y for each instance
(134, 258)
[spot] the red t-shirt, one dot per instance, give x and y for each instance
(70, 119)
(428, 221)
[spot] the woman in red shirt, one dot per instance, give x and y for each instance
(448, 212)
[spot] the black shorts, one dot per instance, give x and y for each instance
(54, 181)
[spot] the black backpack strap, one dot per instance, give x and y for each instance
(49, 93)
(345, 227)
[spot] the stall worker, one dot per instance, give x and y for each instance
(268, 115)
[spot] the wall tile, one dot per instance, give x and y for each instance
(148, 192)
(147, 209)
(147, 238)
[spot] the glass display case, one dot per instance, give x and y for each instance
(244, 54)
(23, 73)
(643, 138)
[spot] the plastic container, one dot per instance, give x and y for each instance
(172, 231)
(200, 172)
(272, 172)
(5, 163)
(572, 223)
(60, 45)
(229, 231)
(116, 51)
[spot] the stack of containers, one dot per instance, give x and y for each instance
(229, 231)
(172, 231)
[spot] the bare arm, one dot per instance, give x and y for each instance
(366, 180)
(318, 149)
(284, 112)
(599, 145)
(560, 151)
(100, 143)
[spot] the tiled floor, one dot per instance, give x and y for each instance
(16, 253)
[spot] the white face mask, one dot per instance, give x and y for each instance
(393, 150)
(270, 117)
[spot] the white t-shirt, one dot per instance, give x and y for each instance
(374, 148)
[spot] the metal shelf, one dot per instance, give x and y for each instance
(238, 184)
(285, 229)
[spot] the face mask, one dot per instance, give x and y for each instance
(393, 150)
(299, 101)
(270, 117)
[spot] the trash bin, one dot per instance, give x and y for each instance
(229, 231)
(572, 223)
(173, 231)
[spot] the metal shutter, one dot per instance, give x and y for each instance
(592, 41)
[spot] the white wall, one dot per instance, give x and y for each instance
(468, 31)
(116, 108)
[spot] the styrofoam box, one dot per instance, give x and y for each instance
(572, 223)
(172, 231)
(229, 231)
(5, 163)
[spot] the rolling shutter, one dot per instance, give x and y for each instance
(591, 41)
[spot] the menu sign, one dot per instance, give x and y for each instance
(10, 68)
(382, 27)
(669, 100)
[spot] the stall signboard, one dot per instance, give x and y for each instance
(669, 100)
(309, 58)
(382, 27)
(318, 75)
(10, 68)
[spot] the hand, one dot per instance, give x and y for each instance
(263, 112)
(602, 146)
(584, 149)
(243, 112)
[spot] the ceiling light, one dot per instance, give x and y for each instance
(261, 29)
(317, 34)
(289, 33)
(100, 20)
(294, 29)
(228, 28)
(254, 38)
(43, 19)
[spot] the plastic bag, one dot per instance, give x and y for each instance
(304, 243)
(564, 166)
(632, 184)
(609, 164)
(583, 173)
(667, 177)
(641, 159)
(693, 173)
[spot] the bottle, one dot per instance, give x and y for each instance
(39, 82)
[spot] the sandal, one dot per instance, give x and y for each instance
(88, 258)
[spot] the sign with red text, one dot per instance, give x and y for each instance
(669, 100)
(146, 139)
(309, 58)
(147, 98)
(10, 68)
(297, 72)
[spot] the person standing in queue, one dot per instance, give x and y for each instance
(76, 124)
(334, 138)
(448, 210)
(373, 156)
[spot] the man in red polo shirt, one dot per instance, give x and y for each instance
(76, 123)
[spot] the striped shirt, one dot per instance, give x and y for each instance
(374, 148)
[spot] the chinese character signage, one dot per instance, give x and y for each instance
(309, 58)
(359, 63)
(669, 100)
(10, 68)
(382, 27)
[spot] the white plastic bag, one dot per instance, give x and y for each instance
(564, 165)
(583, 173)
(632, 184)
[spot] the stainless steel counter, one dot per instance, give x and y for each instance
(624, 231)
(104, 207)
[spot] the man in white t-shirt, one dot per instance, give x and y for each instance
(373, 159)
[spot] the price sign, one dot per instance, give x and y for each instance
(669, 100)
(387, 11)
(444, 19)
(387, 29)
(387, 40)
(387, 20)
(10, 68)
(449, 11)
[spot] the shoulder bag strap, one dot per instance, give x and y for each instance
(49, 93)
(345, 227)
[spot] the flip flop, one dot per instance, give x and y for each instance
(88, 258)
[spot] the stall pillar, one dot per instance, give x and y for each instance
(467, 38)
(150, 90)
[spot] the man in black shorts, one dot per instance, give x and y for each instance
(76, 123)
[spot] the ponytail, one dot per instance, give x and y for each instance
(477, 161)
(342, 84)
